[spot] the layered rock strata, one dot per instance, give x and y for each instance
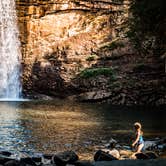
(63, 38)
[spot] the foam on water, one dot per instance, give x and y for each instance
(13, 99)
(10, 55)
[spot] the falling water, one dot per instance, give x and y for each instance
(10, 86)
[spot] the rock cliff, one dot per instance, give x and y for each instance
(80, 48)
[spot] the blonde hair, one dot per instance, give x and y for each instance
(137, 125)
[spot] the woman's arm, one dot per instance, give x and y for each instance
(137, 139)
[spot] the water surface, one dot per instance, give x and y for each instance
(50, 126)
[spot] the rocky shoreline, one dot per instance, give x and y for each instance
(113, 154)
(70, 158)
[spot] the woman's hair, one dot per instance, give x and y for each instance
(137, 125)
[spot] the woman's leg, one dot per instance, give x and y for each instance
(139, 148)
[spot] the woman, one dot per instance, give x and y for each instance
(139, 142)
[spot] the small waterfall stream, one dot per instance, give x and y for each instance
(10, 55)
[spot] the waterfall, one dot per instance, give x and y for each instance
(10, 55)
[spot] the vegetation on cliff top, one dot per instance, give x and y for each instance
(147, 26)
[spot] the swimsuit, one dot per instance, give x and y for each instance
(140, 141)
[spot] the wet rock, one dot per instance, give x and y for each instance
(150, 145)
(3, 160)
(161, 145)
(113, 152)
(118, 146)
(68, 145)
(141, 156)
(127, 147)
(12, 163)
(152, 155)
(125, 153)
(112, 142)
(93, 96)
(46, 161)
(107, 145)
(103, 156)
(164, 140)
(62, 158)
(146, 155)
(164, 148)
(27, 160)
(37, 159)
(48, 156)
(5, 153)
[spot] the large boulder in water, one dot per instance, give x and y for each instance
(103, 156)
(146, 155)
(63, 158)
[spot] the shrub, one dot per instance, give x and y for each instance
(94, 72)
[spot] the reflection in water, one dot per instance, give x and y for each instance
(12, 134)
(58, 125)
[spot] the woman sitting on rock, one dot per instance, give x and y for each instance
(139, 142)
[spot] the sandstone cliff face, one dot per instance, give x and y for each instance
(58, 36)
(61, 38)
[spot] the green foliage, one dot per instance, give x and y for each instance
(148, 20)
(94, 72)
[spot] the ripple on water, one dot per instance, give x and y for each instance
(47, 127)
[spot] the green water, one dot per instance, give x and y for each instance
(50, 126)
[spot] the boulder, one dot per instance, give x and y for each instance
(48, 156)
(63, 158)
(3, 160)
(103, 156)
(112, 143)
(37, 159)
(125, 153)
(152, 155)
(146, 155)
(115, 153)
(12, 163)
(27, 161)
(94, 95)
(141, 156)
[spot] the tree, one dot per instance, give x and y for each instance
(148, 26)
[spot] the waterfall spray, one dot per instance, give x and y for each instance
(10, 55)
